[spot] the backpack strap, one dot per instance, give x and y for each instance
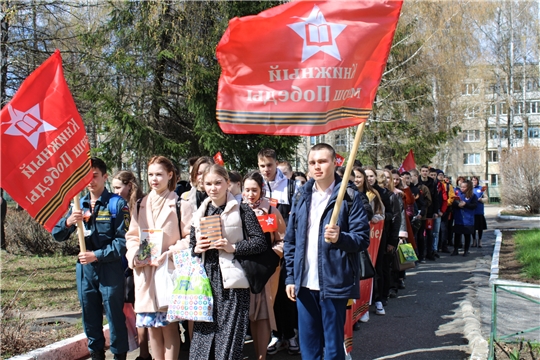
(291, 184)
(113, 204)
(179, 216)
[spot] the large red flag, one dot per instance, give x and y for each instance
(45, 153)
(305, 67)
(408, 163)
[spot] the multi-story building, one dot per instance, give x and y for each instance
(494, 120)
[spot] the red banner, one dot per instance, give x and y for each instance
(361, 306)
(409, 163)
(305, 67)
(45, 153)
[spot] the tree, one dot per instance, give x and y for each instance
(520, 175)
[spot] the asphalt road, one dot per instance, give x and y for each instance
(426, 320)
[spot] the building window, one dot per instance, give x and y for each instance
(533, 107)
(312, 140)
(493, 109)
(518, 107)
(471, 135)
(473, 112)
(341, 140)
(534, 132)
(518, 133)
(471, 159)
(493, 156)
(494, 179)
(469, 89)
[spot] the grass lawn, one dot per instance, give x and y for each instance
(528, 251)
(38, 282)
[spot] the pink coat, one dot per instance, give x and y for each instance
(145, 292)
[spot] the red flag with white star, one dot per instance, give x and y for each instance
(45, 152)
(340, 160)
(268, 222)
(305, 67)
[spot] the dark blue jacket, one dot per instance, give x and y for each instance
(338, 263)
(107, 239)
(465, 215)
(479, 193)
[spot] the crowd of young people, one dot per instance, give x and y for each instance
(317, 273)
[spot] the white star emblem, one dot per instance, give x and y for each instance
(318, 34)
(28, 124)
(269, 221)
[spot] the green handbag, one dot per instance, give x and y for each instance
(406, 253)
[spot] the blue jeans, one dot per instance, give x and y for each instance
(436, 228)
(321, 324)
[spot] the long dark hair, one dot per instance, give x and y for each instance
(258, 178)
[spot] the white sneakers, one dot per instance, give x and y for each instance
(365, 318)
(379, 309)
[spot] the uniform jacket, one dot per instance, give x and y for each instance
(107, 239)
(145, 291)
(338, 263)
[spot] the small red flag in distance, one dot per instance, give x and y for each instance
(304, 67)
(339, 160)
(409, 163)
(219, 159)
(45, 152)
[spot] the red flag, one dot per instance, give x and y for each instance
(408, 163)
(305, 67)
(219, 159)
(339, 160)
(268, 222)
(45, 153)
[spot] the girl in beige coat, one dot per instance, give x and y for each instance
(261, 308)
(157, 210)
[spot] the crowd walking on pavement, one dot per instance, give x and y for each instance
(302, 307)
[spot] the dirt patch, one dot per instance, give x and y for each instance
(509, 267)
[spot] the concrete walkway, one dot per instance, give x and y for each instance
(444, 313)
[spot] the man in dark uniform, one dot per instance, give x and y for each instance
(100, 274)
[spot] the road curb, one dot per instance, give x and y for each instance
(519, 218)
(75, 347)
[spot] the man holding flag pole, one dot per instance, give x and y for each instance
(320, 73)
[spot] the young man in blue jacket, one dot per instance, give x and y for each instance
(322, 260)
(100, 274)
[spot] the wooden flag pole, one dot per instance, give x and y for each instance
(80, 226)
(348, 170)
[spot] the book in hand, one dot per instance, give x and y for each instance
(211, 228)
(150, 246)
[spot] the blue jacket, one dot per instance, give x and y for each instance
(465, 215)
(479, 193)
(338, 263)
(107, 239)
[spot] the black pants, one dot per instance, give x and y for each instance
(424, 242)
(457, 241)
(383, 269)
(285, 310)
